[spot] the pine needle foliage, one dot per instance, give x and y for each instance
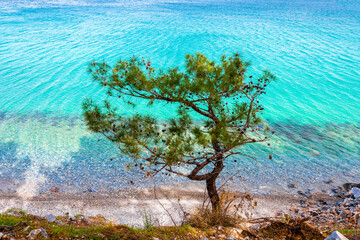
(223, 96)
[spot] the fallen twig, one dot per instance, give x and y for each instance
(8, 228)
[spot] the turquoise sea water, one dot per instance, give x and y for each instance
(45, 45)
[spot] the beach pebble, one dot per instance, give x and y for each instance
(55, 189)
(291, 185)
(324, 208)
(351, 204)
(357, 218)
(14, 212)
(308, 190)
(25, 229)
(35, 233)
(348, 186)
(301, 193)
(336, 236)
(336, 189)
(59, 222)
(328, 181)
(234, 232)
(314, 152)
(50, 218)
(339, 203)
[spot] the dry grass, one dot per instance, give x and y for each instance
(231, 212)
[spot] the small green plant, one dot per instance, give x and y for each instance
(16, 211)
(148, 220)
(349, 231)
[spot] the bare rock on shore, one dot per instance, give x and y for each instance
(355, 192)
(15, 213)
(349, 186)
(336, 236)
(357, 218)
(35, 233)
(50, 218)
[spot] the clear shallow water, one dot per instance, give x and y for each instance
(312, 46)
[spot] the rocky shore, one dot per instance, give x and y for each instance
(341, 208)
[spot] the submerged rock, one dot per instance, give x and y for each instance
(314, 152)
(336, 236)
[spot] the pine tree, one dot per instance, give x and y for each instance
(218, 111)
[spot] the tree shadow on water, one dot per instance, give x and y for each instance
(96, 165)
(11, 164)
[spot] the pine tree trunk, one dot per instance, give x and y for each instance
(211, 185)
(212, 192)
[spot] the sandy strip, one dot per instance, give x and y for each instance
(127, 207)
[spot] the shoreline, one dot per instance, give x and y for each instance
(128, 207)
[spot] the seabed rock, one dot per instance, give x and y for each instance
(336, 236)
(314, 152)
